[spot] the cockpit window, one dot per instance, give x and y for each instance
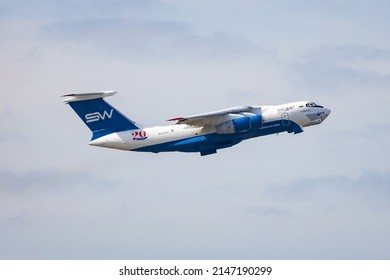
(312, 104)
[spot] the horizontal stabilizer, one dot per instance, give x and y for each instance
(72, 97)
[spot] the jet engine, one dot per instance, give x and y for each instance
(240, 124)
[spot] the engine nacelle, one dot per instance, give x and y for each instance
(241, 124)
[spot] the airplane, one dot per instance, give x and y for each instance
(204, 133)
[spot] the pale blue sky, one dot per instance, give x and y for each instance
(322, 194)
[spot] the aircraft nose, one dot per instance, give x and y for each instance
(325, 114)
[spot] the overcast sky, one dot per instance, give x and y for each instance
(322, 194)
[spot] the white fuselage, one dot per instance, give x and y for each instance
(289, 117)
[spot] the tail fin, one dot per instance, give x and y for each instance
(100, 117)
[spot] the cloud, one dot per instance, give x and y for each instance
(344, 67)
(49, 180)
(269, 212)
(143, 39)
(369, 182)
(47, 9)
(287, 196)
(371, 191)
(346, 53)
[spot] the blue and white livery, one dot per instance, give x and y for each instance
(203, 133)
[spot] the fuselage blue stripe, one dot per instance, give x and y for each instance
(220, 141)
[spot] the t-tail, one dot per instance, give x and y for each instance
(100, 117)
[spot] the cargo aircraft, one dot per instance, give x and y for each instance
(204, 133)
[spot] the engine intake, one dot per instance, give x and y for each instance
(242, 124)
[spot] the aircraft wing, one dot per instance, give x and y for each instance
(211, 118)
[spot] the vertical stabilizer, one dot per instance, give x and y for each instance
(100, 117)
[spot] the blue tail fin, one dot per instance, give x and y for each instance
(100, 117)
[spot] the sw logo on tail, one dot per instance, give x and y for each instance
(203, 133)
(96, 116)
